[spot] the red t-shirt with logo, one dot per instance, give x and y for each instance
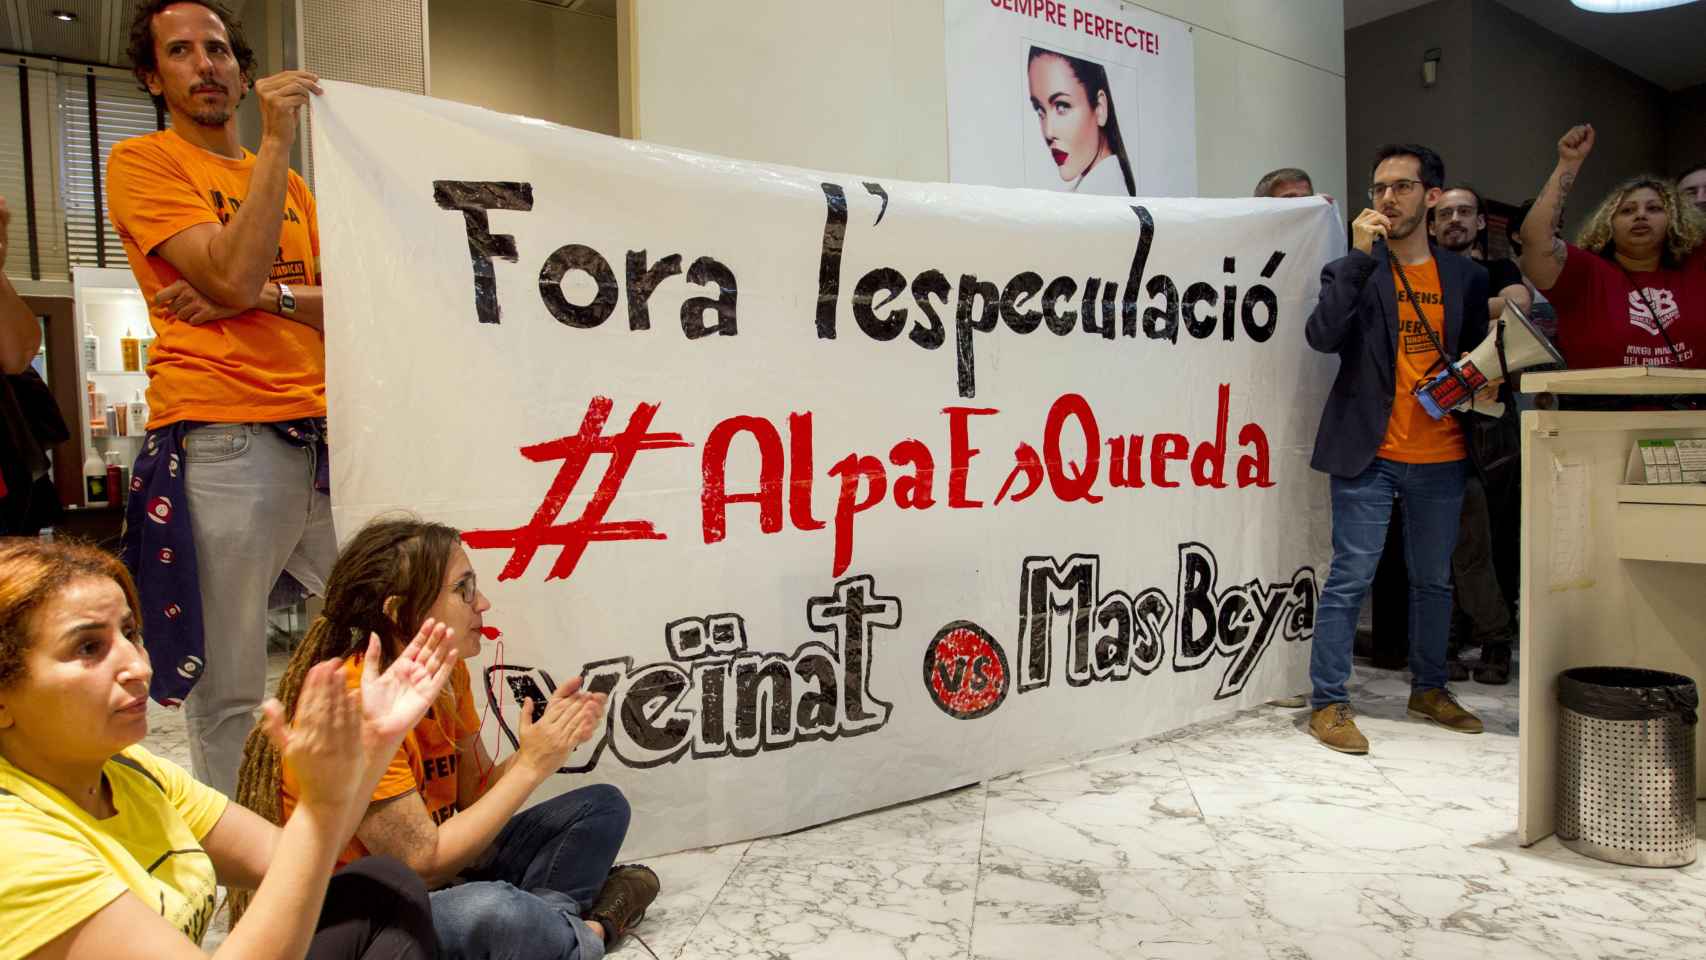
(1604, 322)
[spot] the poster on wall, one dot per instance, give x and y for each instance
(846, 490)
(1080, 96)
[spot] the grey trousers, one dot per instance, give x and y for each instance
(254, 513)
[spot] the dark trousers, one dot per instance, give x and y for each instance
(524, 899)
(1477, 580)
(376, 909)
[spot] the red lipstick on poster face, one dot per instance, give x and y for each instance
(1059, 156)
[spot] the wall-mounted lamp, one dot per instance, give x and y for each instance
(1430, 67)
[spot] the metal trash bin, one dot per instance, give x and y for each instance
(1626, 765)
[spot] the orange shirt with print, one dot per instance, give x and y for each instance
(256, 366)
(1411, 435)
(425, 763)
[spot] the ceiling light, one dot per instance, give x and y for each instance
(1626, 6)
(64, 16)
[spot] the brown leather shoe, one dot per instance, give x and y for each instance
(1334, 726)
(1442, 708)
(627, 892)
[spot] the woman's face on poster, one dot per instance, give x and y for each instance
(1071, 123)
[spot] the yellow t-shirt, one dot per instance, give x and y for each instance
(255, 366)
(1411, 435)
(59, 866)
(426, 762)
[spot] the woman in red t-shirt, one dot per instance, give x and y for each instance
(1632, 290)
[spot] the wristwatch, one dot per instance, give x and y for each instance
(286, 300)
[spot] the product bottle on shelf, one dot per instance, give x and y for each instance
(115, 477)
(138, 419)
(94, 480)
(91, 348)
(130, 349)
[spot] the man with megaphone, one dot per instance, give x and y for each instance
(1391, 309)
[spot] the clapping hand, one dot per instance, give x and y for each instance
(323, 741)
(570, 719)
(394, 700)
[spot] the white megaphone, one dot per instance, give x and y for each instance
(1515, 338)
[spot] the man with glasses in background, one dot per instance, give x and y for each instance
(1389, 309)
(1458, 221)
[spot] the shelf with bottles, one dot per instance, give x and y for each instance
(114, 339)
(110, 337)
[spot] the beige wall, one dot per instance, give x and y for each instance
(814, 83)
(807, 82)
(525, 58)
(1516, 138)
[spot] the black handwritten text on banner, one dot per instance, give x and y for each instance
(867, 487)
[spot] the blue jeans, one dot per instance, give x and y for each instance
(1362, 507)
(524, 898)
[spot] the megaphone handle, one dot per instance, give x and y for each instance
(1499, 347)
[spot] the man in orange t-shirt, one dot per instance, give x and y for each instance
(1379, 444)
(229, 491)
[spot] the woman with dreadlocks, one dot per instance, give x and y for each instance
(509, 882)
(110, 852)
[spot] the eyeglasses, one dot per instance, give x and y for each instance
(1399, 189)
(467, 587)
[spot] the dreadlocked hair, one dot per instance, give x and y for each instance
(384, 581)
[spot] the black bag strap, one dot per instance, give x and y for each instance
(1433, 338)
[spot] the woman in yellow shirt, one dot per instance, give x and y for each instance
(108, 852)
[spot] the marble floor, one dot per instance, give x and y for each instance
(1238, 838)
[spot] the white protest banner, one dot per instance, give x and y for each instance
(1086, 96)
(847, 490)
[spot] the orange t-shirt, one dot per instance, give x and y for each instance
(425, 763)
(255, 366)
(1411, 435)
